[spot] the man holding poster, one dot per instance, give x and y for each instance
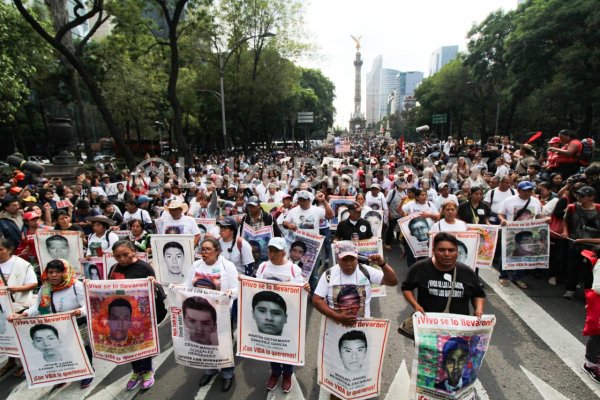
(344, 291)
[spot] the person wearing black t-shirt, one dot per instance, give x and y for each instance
(354, 225)
(130, 267)
(474, 210)
(432, 278)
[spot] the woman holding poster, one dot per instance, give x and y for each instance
(19, 277)
(214, 272)
(449, 223)
(130, 267)
(60, 292)
(278, 269)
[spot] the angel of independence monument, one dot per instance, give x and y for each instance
(358, 122)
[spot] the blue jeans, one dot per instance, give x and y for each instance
(278, 369)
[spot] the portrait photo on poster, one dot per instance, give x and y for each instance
(173, 255)
(93, 268)
(65, 245)
(200, 321)
(269, 312)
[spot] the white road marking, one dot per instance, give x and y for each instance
(547, 391)
(117, 391)
(400, 387)
(74, 391)
(481, 393)
(203, 391)
(570, 350)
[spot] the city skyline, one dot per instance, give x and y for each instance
(406, 35)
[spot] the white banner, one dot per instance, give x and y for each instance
(93, 268)
(173, 256)
(54, 245)
(201, 327)
(205, 225)
(121, 319)
(415, 229)
(8, 345)
(525, 245)
(51, 350)
(449, 351)
(468, 246)
(351, 358)
(272, 321)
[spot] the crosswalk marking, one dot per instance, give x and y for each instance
(480, 390)
(400, 387)
(294, 394)
(547, 391)
(560, 341)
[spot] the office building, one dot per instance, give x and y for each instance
(441, 57)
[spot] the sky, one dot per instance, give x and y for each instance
(405, 33)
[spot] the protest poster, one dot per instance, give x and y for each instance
(449, 351)
(173, 256)
(51, 350)
(54, 245)
(238, 218)
(63, 204)
(365, 248)
(258, 239)
(206, 225)
(111, 189)
(268, 207)
(224, 207)
(8, 346)
(93, 268)
(201, 327)
(339, 205)
(303, 249)
(375, 218)
(468, 246)
(109, 260)
(350, 359)
(272, 320)
(415, 229)
(488, 240)
(525, 245)
(332, 161)
(122, 234)
(121, 319)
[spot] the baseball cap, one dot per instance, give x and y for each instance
(142, 199)
(353, 206)
(442, 185)
(554, 140)
(228, 222)
(30, 215)
(375, 186)
(303, 194)
(525, 185)
(586, 191)
(277, 242)
(253, 201)
(347, 248)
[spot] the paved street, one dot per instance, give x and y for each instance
(536, 353)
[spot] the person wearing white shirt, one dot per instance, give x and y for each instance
(133, 212)
(272, 195)
(307, 216)
(501, 168)
(102, 240)
(427, 210)
(444, 196)
(449, 223)
(173, 221)
(235, 248)
(495, 197)
(376, 200)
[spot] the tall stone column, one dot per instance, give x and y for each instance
(358, 122)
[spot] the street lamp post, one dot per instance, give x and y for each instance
(223, 58)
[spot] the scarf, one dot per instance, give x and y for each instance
(45, 293)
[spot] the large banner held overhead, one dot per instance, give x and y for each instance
(173, 256)
(415, 229)
(339, 204)
(351, 358)
(8, 345)
(468, 246)
(525, 245)
(487, 244)
(258, 239)
(121, 319)
(449, 351)
(201, 327)
(303, 249)
(51, 350)
(272, 318)
(365, 248)
(54, 245)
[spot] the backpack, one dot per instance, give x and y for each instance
(587, 152)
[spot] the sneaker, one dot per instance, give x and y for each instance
(86, 382)
(272, 382)
(592, 370)
(134, 381)
(504, 282)
(286, 383)
(552, 281)
(521, 284)
(569, 294)
(148, 380)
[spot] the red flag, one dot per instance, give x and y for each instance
(535, 136)
(402, 144)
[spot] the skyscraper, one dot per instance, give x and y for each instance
(381, 82)
(406, 83)
(441, 57)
